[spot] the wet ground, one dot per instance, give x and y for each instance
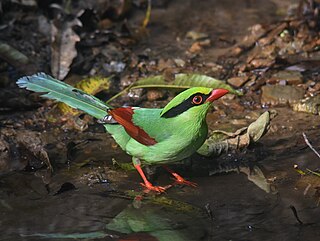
(250, 194)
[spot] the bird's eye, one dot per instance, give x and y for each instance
(197, 100)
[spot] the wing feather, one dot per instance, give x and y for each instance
(123, 116)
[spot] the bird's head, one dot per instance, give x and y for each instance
(194, 101)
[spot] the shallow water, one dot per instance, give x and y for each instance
(237, 209)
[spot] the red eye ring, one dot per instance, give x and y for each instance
(197, 100)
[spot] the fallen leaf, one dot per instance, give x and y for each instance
(63, 46)
(258, 128)
(194, 35)
(221, 141)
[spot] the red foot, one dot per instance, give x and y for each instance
(158, 189)
(181, 181)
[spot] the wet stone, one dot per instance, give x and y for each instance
(165, 64)
(314, 88)
(114, 67)
(279, 94)
(236, 51)
(309, 105)
(195, 47)
(179, 62)
(290, 77)
(153, 95)
(238, 81)
(261, 62)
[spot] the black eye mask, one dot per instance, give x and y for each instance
(186, 104)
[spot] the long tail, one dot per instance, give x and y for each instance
(60, 91)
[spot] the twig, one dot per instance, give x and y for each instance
(209, 211)
(312, 172)
(147, 17)
(309, 144)
(295, 213)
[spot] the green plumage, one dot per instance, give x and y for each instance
(175, 132)
(183, 96)
(177, 138)
(60, 91)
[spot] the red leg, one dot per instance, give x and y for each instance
(148, 184)
(179, 179)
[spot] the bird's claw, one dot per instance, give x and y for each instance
(158, 189)
(185, 182)
(181, 181)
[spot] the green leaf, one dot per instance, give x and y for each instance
(181, 81)
(12, 55)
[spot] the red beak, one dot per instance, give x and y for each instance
(216, 94)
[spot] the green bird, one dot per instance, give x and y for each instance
(150, 136)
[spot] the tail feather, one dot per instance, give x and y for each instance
(60, 91)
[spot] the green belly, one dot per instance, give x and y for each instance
(175, 148)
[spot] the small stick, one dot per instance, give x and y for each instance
(295, 213)
(309, 144)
